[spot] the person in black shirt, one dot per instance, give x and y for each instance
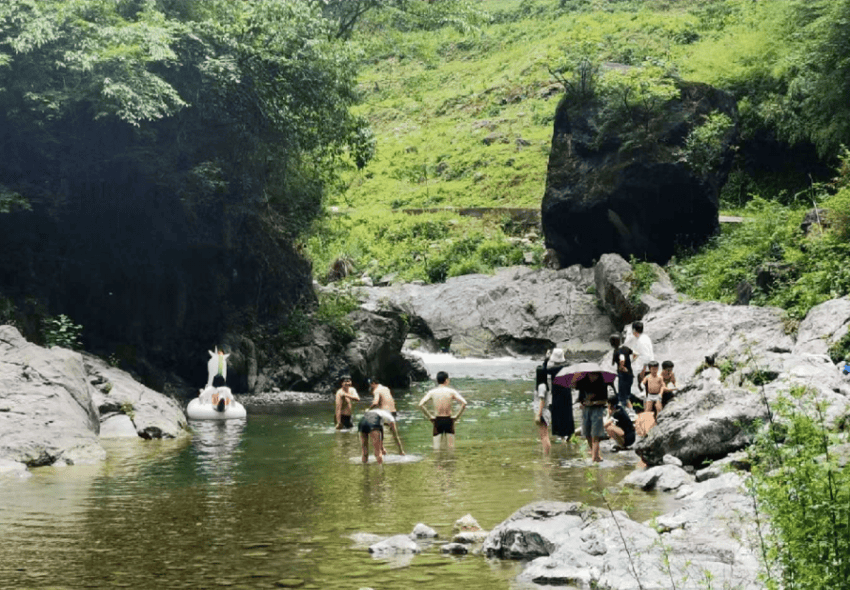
(622, 360)
(618, 425)
(592, 393)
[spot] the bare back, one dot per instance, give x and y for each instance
(383, 399)
(442, 398)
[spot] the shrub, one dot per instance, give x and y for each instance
(61, 331)
(704, 144)
(800, 484)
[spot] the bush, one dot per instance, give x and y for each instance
(704, 144)
(61, 331)
(801, 486)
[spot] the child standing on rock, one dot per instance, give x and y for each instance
(654, 385)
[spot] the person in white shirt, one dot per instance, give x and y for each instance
(642, 351)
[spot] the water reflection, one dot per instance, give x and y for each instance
(217, 448)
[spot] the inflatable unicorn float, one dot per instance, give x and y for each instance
(215, 401)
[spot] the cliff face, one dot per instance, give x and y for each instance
(152, 280)
(628, 187)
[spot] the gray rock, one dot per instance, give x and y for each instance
(51, 417)
(734, 461)
(395, 545)
(701, 425)
(516, 311)
(534, 530)
(117, 426)
(614, 290)
(665, 478)
(466, 523)
(711, 533)
(470, 537)
(13, 469)
(153, 415)
(423, 531)
(455, 548)
(823, 326)
(671, 460)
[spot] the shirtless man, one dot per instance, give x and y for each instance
(443, 396)
(344, 396)
(382, 399)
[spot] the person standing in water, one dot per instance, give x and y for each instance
(382, 399)
(345, 395)
(542, 401)
(443, 397)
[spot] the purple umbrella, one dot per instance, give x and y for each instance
(568, 376)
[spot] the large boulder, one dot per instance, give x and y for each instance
(516, 311)
(710, 536)
(534, 530)
(627, 188)
(122, 401)
(317, 365)
(823, 326)
(47, 415)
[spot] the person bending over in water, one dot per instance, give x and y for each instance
(443, 397)
(371, 426)
(344, 396)
(382, 399)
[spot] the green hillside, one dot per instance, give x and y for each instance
(462, 117)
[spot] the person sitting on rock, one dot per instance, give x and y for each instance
(618, 425)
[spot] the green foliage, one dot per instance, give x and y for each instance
(800, 484)
(840, 348)
(129, 410)
(640, 279)
(12, 201)
(61, 331)
(704, 144)
(333, 311)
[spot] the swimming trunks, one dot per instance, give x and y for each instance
(653, 397)
(369, 422)
(444, 425)
(346, 421)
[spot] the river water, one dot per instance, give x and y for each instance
(282, 500)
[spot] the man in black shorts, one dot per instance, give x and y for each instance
(443, 397)
(345, 395)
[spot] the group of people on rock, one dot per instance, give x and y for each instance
(382, 411)
(605, 416)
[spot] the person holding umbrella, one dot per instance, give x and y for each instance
(561, 405)
(592, 385)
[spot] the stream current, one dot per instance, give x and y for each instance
(282, 500)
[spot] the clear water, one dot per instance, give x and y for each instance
(274, 501)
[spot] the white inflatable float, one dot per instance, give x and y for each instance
(197, 410)
(205, 406)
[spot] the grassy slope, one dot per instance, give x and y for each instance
(434, 97)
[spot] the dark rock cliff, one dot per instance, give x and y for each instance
(617, 188)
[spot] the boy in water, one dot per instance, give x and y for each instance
(654, 388)
(443, 397)
(345, 395)
(371, 427)
(382, 399)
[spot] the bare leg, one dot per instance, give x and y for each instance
(451, 440)
(616, 434)
(544, 437)
(594, 450)
(375, 435)
(364, 447)
(394, 429)
(437, 439)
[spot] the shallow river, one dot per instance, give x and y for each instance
(274, 501)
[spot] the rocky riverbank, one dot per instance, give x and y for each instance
(56, 405)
